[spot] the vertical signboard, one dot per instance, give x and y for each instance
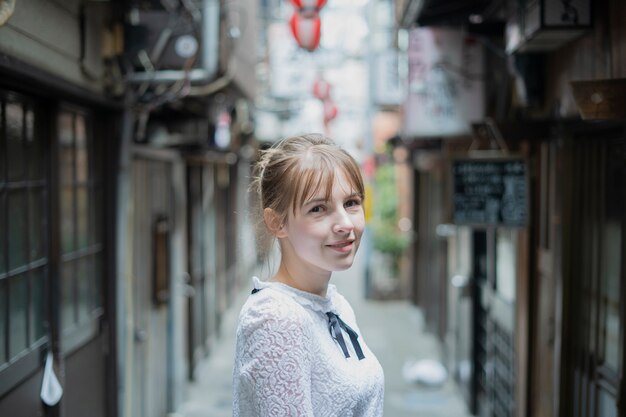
(446, 86)
(387, 88)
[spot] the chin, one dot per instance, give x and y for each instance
(345, 266)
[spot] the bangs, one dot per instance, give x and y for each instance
(315, 175)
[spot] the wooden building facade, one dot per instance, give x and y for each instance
(531, 315)
(119, 244)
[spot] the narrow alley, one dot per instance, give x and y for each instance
(491, 139)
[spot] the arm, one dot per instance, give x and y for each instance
(274, 368)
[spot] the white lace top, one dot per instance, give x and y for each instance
(288, 364)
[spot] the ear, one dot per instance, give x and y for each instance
(274, 222)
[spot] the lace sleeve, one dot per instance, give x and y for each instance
(274, 365)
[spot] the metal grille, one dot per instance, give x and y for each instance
(502, 384)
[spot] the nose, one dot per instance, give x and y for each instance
(343, 222)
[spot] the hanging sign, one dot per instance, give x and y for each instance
(446, 83)
(490, 192)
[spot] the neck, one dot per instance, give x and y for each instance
(314, 283)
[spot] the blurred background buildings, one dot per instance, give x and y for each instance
(491, 135)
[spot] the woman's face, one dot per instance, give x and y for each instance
(323, 235)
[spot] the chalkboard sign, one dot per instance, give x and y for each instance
(489, 192)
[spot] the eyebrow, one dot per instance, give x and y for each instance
(315, 200)
(323, 200)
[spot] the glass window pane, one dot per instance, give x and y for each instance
(3, 322)
(96, 157)
(18, 314)
(98, 273)
(3, 235)
(37, 229)
(17, 229)
(590, 319)
(29, 125)
(15, 146)
(67, 219)
(35, 149)
(606, 405)
(85, 283)
(97, 218)
(82, 167)
(611, 290)
(611, 256)
(66, 142)
(3, 156)
(82, 220)
(38, 304)
(68, 300)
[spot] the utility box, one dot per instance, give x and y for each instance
(545, 25)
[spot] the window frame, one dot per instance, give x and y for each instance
(74, 337)
(14, 369)
(17, 369)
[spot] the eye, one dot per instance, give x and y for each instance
(316, 209)
(353, 202)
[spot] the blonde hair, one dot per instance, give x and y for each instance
(296, 168)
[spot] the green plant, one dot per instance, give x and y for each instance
(388, 238)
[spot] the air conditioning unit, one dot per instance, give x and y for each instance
(545, 25)
(165, 44)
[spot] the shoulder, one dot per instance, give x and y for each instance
(272, 325)
(271, 310)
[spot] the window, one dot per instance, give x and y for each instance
(81, 212)
(51, 236)
(24, 190)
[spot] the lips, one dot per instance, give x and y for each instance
(343, 246)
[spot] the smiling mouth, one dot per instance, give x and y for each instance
(343, 246)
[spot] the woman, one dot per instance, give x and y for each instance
(299, 350)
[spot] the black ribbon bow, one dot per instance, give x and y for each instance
(335, 324)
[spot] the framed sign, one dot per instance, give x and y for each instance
(490, 192)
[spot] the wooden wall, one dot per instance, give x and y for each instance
(599, 53)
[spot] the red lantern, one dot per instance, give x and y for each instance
(306, 30)
(321, 89)
(309, 4)
(330, 111)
